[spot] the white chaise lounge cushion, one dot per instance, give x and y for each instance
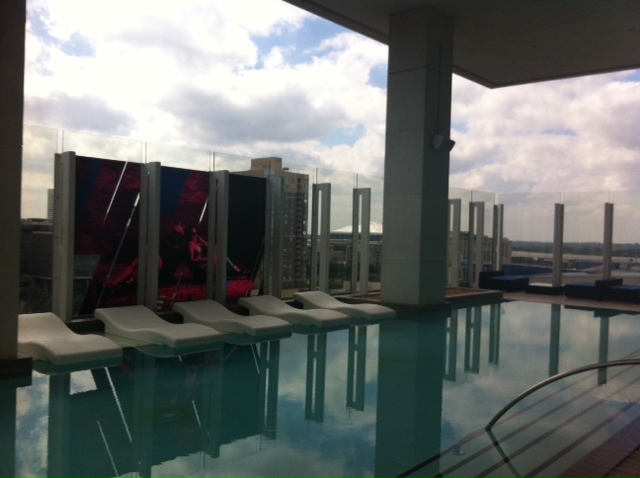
(270, 305)
(215, 315)
(139, 323)
(316, 299)
(44, 336)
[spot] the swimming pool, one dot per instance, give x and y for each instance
(408, 396)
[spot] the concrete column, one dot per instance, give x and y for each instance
(320, 232)
(558, 244)
(416, 179)
(12, 35)
(455, 208)
(608, 241)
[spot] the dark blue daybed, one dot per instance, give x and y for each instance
(623, 292)
(581, 290)
(591, 290)
(497, 280)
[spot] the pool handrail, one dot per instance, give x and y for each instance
(555, 378)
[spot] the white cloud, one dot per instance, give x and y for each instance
(255, 78)
(569, 135)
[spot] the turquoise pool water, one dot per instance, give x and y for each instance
(404, 397)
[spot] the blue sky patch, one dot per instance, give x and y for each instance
(460, 126)
(348, 136)
(315, 30)
(378, 76)
(39, 26)
(78, 45)
(633, 77)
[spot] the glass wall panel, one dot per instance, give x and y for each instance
(528, 220)
(463, 250)
(230, 162)
(626, 235)
(297, 219)
(527, 247)
(376, 184)
(465, 197)
(342, 185)
(39, 147)
(489, 199)
(178, 157)
(584, 232)
(103, 147)
(296, 252)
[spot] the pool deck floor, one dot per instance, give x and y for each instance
(613, 458)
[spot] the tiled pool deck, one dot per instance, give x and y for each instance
(619, 456)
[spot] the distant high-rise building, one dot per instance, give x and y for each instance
(296, 195)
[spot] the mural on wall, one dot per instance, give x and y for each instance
(107, 224)
(246, 231)
(184, 242)
(184, 202)
(106, 233)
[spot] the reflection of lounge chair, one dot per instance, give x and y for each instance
(270, 305)
(139, 323)
(316, 299)
(215, 315)
(45, 336)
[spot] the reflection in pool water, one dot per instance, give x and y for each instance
(373, 400)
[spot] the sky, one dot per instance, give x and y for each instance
(264, 78)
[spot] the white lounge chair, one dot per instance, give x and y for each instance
(44, 336)
(215, 315)
(316, 299)
(139, 323)
(270, 305)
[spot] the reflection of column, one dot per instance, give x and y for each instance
(211, 408)
(472, 340)
(603, 349)
(142, 429)
(356, 367)
(269, 368)
(409, 408)
(316, 368)
(554, 340)
(8, 395)
(58, 439)
(451, 346)
(494, 335)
